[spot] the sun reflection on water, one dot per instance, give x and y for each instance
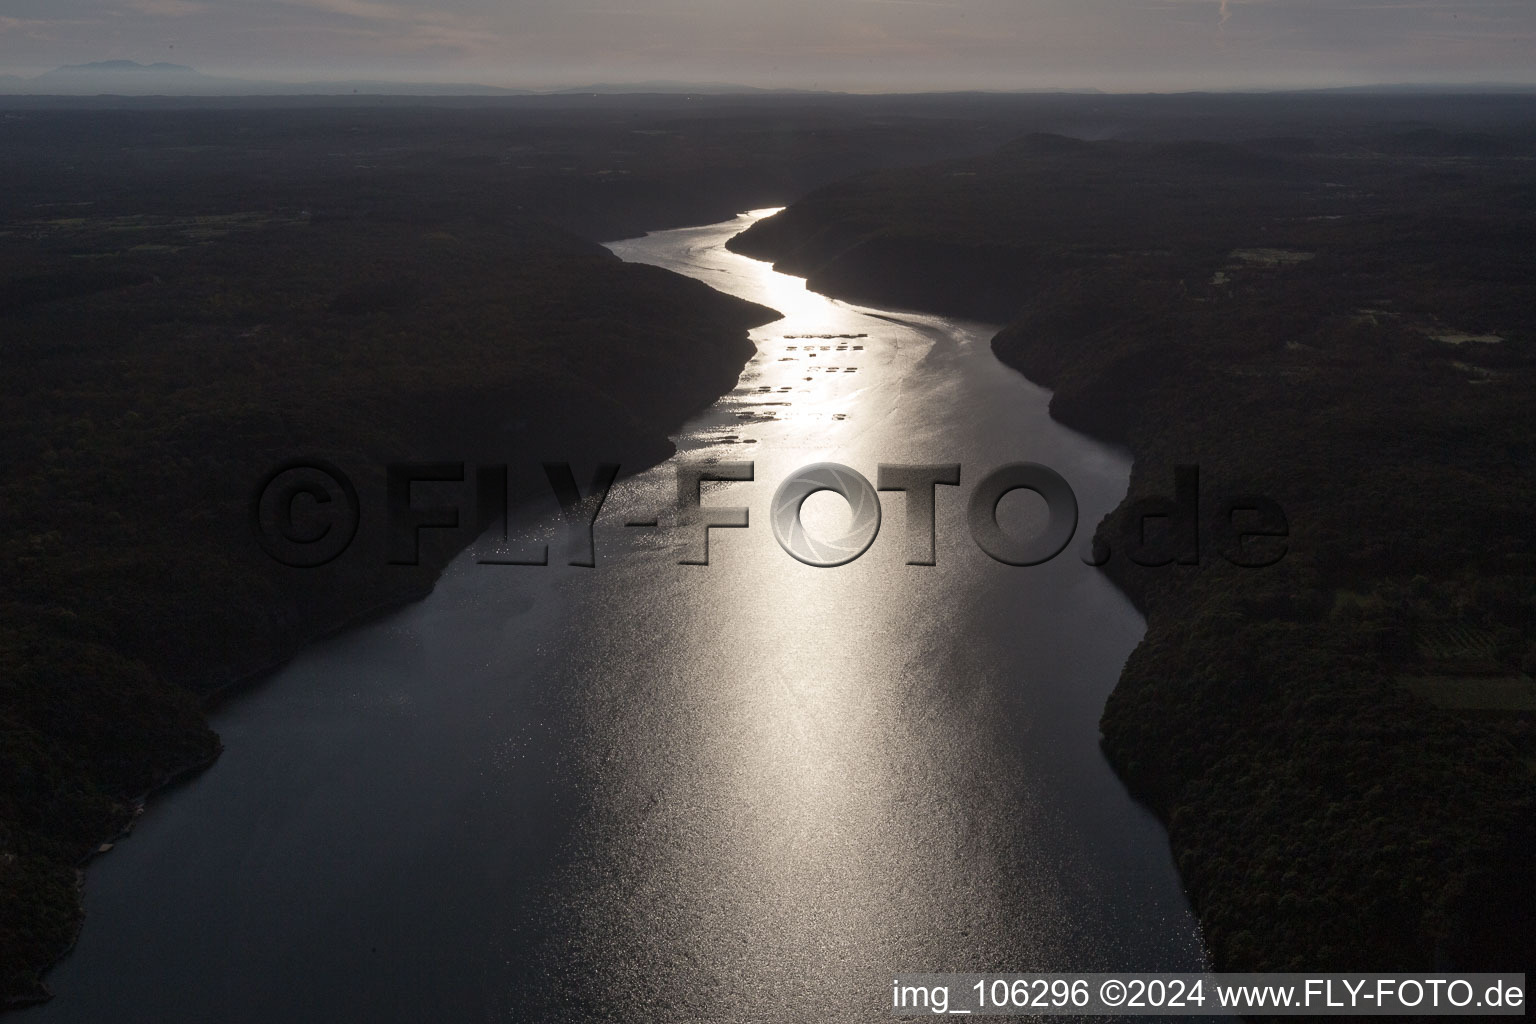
(820, 776)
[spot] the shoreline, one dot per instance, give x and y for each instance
(240, 686)
(728, 358)
(249, 681)
(1236, 752)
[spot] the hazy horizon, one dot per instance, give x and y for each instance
(846, 45)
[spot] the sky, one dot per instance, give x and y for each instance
(855, 45)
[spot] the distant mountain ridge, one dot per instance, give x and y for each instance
(120, 65)
(130, 78)
(669, 87)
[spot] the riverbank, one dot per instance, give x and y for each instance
(465, 341)
(192, 292)
(653, 773)
(1337, 795)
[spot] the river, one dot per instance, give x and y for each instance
(752, 790)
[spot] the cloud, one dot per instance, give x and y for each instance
(909, 3)
(166, 8)
(403, 26)
(9, 24)
(41, 28)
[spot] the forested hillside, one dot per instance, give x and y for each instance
(1341, 742)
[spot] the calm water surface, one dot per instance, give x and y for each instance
(748, 791)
